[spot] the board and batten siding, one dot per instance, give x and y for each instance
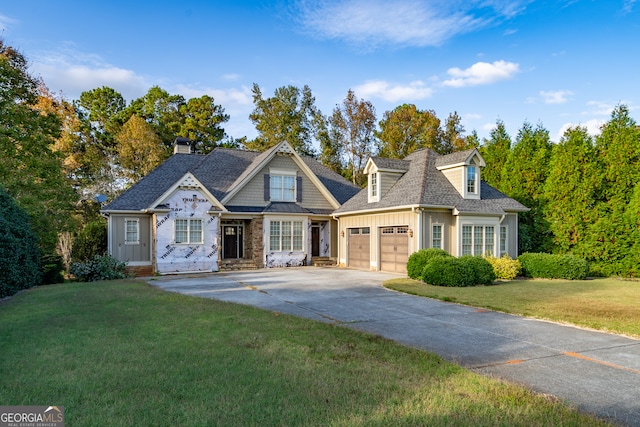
(133, 254)
(252, 194)
(375, 222)
(444, 218)
(511, 221)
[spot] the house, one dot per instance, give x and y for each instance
(425, 200)
(228, 209)
(235, 209)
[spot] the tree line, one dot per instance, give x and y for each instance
(56, 155)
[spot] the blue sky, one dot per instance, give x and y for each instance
(555, 62)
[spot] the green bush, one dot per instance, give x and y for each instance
(101, 267)
(419, 259)
(483, 273)
(19, 251)
(448, 271)
(52, 267)
(550, 266)
(91, 241)
(506, 267)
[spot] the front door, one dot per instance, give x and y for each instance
(232, 241)
(315, 241)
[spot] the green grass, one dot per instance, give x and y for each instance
(607, 304)
(123, 353)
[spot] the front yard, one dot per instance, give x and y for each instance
(123, 353)
(607, 304)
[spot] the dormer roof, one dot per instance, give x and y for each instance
(460, 158)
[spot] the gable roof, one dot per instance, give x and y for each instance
(220, 172)
(423, 185)
(388, 164)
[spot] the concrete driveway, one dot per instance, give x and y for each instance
(598, 372)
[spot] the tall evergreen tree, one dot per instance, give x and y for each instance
(523, 177)
(618, 156)
(495, 152)
(570, 190)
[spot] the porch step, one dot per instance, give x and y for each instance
(323, 261)
(237, 264)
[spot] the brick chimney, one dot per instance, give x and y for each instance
(182, 146)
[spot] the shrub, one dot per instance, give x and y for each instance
(101, 267)
(19, 251)
(482, 271)
(549, 266)
(91, 241)
(448, 271)
(419, 259)
(506, 267)
(52, 267)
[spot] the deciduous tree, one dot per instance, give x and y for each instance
(139, 148)
(287, 116)
(406, 129)
(353, 123)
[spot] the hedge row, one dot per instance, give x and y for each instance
(548, 266)
(463, 271)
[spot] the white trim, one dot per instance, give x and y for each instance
(188, 177)
(370, 187)
(137, 241)
(283, 147)
(477, 221)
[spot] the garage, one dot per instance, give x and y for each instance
(394, 248)
(358, 245)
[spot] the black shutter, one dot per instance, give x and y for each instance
(298, 188)
(267, 187)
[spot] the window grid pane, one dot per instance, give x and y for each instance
(195, 231)
(471, 179)
(437, 237)
(488, 240)
(181, 227)
(131, 231)
(374, 184)
(274, 236)
(503, 240)
(466, 239)
(286, 235)
(289, 188)
(477, 240)
(297, 236)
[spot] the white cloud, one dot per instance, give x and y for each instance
(555, 96)
(393, 93)
(481, 73)
(593, 127)
(627, 6)
(72, 73)
(402, 22)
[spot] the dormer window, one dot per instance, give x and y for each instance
(374, 187)
(472, 180)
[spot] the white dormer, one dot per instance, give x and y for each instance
(381, 175)
(462, 169)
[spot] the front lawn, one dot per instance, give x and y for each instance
(123, 353)
(607, 304)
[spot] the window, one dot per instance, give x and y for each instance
(374, 185)
(131, 231)
(478, 240)
(503, 240)
(187, 231)
(285, 236)
(471, 179)
(436, 236)
(282, 188)
(466, 239)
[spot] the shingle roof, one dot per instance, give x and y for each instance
(219, 171)
(454, 158)
(394, 164)
(424, 185)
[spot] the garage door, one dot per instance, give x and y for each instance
(394, 249)
(358, 248)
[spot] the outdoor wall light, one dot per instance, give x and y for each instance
(410, 233)
(342, 233)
